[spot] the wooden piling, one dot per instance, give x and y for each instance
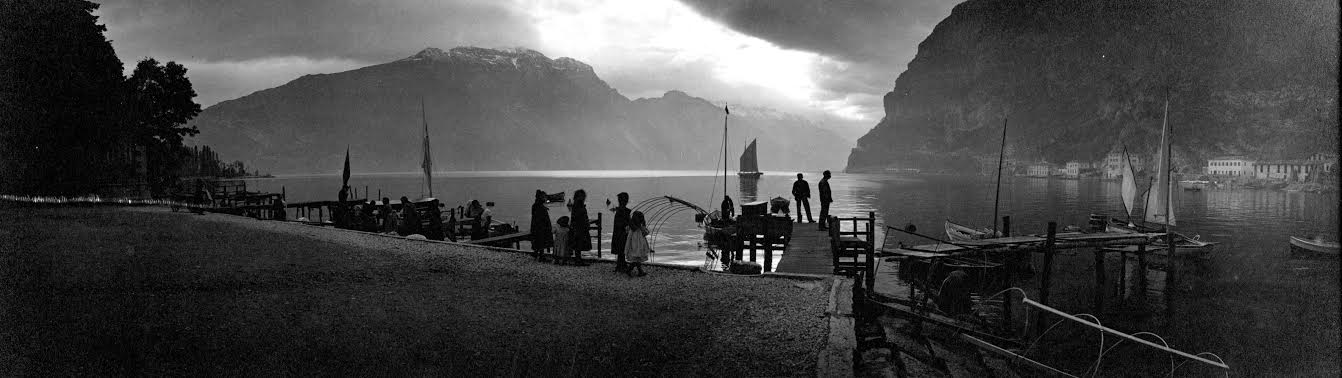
(871, 249)
(1046, 277)
(768, 248)
(1141, 272)
(1122, 276)
(1006, 226)
(1099, 282)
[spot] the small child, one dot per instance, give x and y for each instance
(636, 248)
(561, 240)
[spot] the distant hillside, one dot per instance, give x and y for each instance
(1075, 78)
(494, 110)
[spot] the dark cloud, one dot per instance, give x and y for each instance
(870, 42)
(240, 30)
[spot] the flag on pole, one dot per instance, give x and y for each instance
(428, 157)
(344, 177)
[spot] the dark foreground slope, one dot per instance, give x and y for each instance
(101, 291)
(1077, 78)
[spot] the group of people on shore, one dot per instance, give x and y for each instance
(425, 219)
(568, 237)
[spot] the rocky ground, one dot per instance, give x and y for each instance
(114, 291)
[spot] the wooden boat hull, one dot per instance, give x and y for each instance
(1315, 246)
(958, 232)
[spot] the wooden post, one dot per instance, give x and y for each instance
(1141, 272)
(1099, 281)
(598, 235)
(321, 213)
(1122, 275)
(1006, 226)
(1046, 277)
(871, 250)
(768, 248)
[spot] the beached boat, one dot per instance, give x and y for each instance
(749, 167)
(959, 232)
(1315, 245)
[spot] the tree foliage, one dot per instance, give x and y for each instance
(69, 119)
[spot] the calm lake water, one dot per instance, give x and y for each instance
(1251, 303)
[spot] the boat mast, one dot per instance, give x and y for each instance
(1001, 154)
(726, 112)
(1166, 140)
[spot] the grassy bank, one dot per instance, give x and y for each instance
(144, 291)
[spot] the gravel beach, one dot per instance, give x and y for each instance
(144, 291)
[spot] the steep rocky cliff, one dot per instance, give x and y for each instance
(1077, 78)
(490, 110)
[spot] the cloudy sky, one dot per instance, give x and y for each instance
(830, 60)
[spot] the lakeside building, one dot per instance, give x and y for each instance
(1075, 169)
(1291, 170)
(1040, 169)
(1231, 166)
(1112, 166)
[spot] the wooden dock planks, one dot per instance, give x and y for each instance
(808, 252)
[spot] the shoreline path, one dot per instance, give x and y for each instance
(144, 291)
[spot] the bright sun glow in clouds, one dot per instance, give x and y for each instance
(623, 35)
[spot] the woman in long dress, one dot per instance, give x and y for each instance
(541, 239)
(580, 239)
(636, 248)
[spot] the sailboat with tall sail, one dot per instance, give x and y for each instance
(1160, 203)
(749, 167)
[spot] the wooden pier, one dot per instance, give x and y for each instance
(808, 252)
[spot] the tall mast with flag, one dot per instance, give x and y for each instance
(726, 112)
(428, 157)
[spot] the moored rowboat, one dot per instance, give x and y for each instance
(1317, 245)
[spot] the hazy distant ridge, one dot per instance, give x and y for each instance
(495, 110)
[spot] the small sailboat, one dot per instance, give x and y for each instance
(749, 167)
(1159, 203)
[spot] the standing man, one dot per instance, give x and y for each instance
(620, 231)
(801, 192)
(825, 199)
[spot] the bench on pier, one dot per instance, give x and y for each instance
(514, 239)
(852, 249)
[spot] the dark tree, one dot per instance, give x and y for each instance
(60, 85)
(159, 101)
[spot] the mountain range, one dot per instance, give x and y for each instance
(491, 109)
(1075, 79)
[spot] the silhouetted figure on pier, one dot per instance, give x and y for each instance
(434, 230)
(277, 209)
(388, 215)
(409, 218)
(341, 211)
(541, 239)
(826, 198)
(561, 235)
(619, 231)
(485, 220)
(801, 193)
(728, 208)
(580, 238)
